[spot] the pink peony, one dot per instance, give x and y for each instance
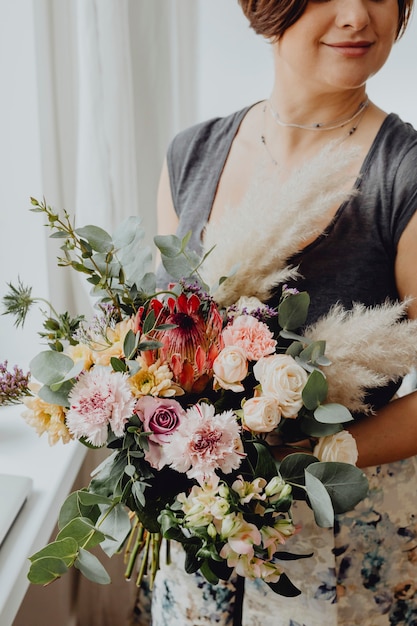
(204, 442)
(99, 399)
(253, 336)
(161, 417)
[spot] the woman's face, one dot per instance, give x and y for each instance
(338, 43)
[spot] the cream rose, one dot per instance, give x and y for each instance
(261, 414)
(283, 379)
(338, 447)
(230, 368)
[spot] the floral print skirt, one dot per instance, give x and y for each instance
(364, 571)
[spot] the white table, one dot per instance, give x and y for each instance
(53, 470)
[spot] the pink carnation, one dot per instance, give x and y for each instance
(99, 399)
(161, 417)
(204, 442)
(253, 336)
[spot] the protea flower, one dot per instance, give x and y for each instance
(192, 343)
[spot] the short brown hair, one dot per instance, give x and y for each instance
(271, 18)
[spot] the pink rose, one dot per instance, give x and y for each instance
(161, 417)
(253, 336)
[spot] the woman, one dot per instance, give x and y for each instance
(324, 52)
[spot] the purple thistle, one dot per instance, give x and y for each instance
(13, 385)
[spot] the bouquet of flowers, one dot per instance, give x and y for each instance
(194, 396)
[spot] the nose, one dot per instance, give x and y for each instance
(353, 14)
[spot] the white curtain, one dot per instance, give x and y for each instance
(104, 85)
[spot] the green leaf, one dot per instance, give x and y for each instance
(265, 464)
(115, 523)
(133, 255)
(346, 484)
(315, 390)
(65, 549)
(118, 365)
(91, 568)
(130, 344)
(50, 367)
(86, 498)
(208, 573)
(332, 413)
(178, 267)
(149, 322)
(313, 352)
(59, 397)
(73, 373)
(83, 531)
(47, 569)
(168, 245)
(98, 238)
(313, 428)
(292, 468)
(319, 500)
(72, 508)
(292, 312)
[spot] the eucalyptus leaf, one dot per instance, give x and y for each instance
(91, 568)
(47, 569)
(168, 245)
(83, 531)
(320, 501)
(58, 397)
(292, 311)
(66, 549)
(332, 413)
(98, 238)
(73, 508)
(346, 484)
(177, 267)
(135, 257)
(115, 524)
(292, 468)
(50, 367)
(86, 498)
(73, 373)
(315, 390)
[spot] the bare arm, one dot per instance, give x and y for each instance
(391, 434)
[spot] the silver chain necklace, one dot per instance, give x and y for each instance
(352, 130)
(320, 125)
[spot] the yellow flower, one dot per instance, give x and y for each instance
(115, 339)
(45, 417)
(154, 380)
(81, 352)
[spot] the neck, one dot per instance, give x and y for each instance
(304, 111)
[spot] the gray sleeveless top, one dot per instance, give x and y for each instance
(353, 260)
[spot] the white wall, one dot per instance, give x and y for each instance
(22, 251)
(236, 65)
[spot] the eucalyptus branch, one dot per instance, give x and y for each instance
(73, 242)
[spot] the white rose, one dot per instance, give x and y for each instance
(338, 447)
(283, 379)
(230, 368)
(261, 414)
(249, 304)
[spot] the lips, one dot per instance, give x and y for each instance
(351, 49)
